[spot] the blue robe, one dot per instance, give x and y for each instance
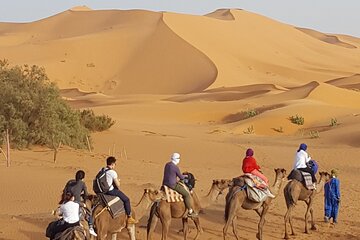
(332, 198)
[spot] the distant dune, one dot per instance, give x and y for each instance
(133, 51)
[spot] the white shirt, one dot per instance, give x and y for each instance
(301, 158)
(70, 212)
(110, 176)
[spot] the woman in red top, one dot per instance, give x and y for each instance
(250, 166)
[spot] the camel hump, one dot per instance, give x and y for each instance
(303, 177)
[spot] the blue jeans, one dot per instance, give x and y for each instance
(123, 197)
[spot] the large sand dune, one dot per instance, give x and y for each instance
(177, 82)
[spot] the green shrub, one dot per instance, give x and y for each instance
(314, 134)
(250, 113)
(95, 123)
(299, 120)
(34, 112)
(333, 122)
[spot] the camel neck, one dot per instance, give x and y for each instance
(276, 186)
(142, 207)
(210, 197)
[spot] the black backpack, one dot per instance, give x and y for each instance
(189, 180)
(69, 186)
(100, 184)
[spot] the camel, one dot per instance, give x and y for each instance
(166, 211)
(105, 224)
(74, 233)
(295, 191)
(235, 200)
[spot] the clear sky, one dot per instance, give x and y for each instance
(328, 16)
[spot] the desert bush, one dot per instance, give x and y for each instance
(250, 113)
(299, 120)
(333, 122)
(33, 111)
(95, 123)
(249, 130)
(314, 134)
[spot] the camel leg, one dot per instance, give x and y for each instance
(185, 227)
(313, 227)
(114, 236)
(165, 222)
(227, 224)
(291, 224)
(234, 226)
(307, 216)
(287, 219)
(262, 222)
(198, 227)
(131, 232)
(151, 227)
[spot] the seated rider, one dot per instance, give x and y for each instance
(114, 190)
(78, 188)
(301, 161)
(171, 173)
(69, 210)
(250, 166)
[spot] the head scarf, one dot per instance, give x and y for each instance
(175, 158)
(334, 172)
(249, 152)
(302, 146)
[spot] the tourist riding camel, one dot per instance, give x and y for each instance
(69, 210)
(171, 173)
(302, 159)
(78, 188)
(250, 166)
(114, 187)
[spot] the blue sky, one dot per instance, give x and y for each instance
(329, 16)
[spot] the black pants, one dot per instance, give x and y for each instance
(308, 170)
(123, 197)
(61, 226)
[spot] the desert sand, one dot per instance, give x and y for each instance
(181, 83)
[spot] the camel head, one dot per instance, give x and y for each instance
(324, 176)
(153, 194)
(280, 173)
(221, 185)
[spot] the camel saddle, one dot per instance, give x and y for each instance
(253, 185)
(172, 195)
(303, 177)
(114, 204)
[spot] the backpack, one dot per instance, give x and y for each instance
(100, 184)
(69, 186)
(189, 180)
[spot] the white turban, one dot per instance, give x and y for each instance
(175, 158)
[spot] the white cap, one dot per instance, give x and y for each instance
(175, 158)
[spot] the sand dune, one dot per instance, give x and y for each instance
(176, 82)
(326, 38)
(222, 14)
(351, 82)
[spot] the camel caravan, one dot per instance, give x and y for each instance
(103, 215)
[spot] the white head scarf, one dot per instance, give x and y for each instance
(175, 158)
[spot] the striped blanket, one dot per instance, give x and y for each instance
(308, 180)
(113, 204)
(172, 195)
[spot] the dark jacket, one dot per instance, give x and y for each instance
(171, 171)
